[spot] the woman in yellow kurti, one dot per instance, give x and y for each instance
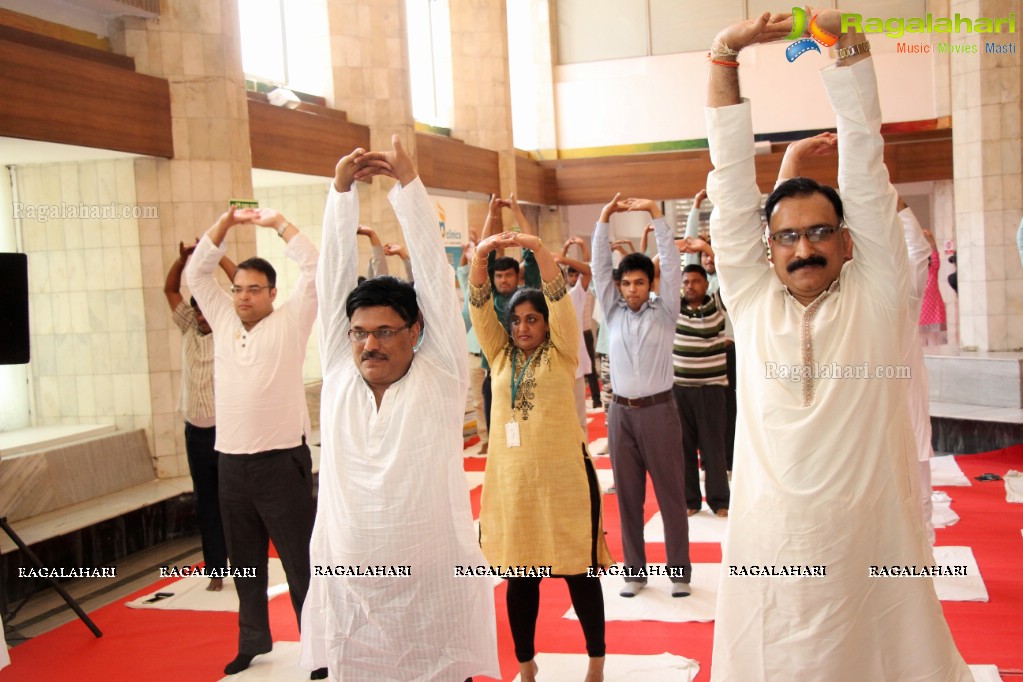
(541, 502)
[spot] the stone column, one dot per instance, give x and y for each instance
(195, 46)
(986, 112)
(369, 58)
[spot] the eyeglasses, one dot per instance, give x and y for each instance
(382, 335)
(251, 290)
(815, 234)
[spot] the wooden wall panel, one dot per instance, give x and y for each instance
(911, 157)
(57, 97)
(449, 164)
(534, 183)
(301, 141)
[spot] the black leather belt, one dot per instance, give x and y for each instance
(645, 401)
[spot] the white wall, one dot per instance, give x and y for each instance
(656, 99)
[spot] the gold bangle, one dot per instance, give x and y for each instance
(476, 263)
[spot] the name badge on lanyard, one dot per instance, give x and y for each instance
(511, 429)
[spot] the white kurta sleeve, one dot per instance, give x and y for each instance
(735, 224)
(213, 301)
(868, 198)
(337, 275)
(919, 250)
(301, 305)
(444, 330)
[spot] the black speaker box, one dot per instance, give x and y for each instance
(13, 309)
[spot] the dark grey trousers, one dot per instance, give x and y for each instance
(649, 439)
(267, 496)
(705, 416)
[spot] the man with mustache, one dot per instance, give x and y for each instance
(392, 489)
(823, 475)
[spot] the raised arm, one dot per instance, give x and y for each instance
(172, 285)
(868, 198)
(402, 253)
(735, 223)
(601, 263)
(671, 273)
(693, 227)
(444, 330)
(301, 304)
(919, 252)
(797, 152)
(338, 271)
(585, 274)
(199, 272)
(377, 257)
(645, 238)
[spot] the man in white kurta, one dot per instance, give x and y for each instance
(392, 489)
(822, 475)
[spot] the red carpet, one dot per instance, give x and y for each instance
(170, 646)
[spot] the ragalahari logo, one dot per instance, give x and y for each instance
(803, 45)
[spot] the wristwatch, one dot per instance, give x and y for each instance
(852, 50)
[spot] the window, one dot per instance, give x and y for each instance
(286, 43)
(429, 52)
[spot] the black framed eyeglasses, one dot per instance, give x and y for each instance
(815, 234)
(382, 335)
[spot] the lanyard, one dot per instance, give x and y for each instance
(515, 383)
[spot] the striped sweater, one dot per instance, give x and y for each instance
(699, 349)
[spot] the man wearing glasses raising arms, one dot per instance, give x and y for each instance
(394, 524)
(266, 480)
(824, 475)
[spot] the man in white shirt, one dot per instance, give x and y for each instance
(266, 479)
(823, 484)
(393, 509)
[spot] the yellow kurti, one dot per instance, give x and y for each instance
(541, 502)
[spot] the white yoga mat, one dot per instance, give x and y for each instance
(985, 673)
(280, 665)
(654, 602)
(617, 668)
(942, 515)
(959, 588)
(605, 479)
(945, 471)
(473, 479)
(704, 526)
(1013, 486)
(190, 593)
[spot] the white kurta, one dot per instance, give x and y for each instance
(822, 473)
(392, 490)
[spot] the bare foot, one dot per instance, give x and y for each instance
(595, 673)
(216, 584)
(528, 671)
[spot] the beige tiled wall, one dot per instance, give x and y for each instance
(86, 307)
(986, 142)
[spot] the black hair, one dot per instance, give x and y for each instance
(191, 302)
(505, 263)
(616, 275)
(260, 265)
(802, 187)
(385, 292)
(693, 267)
(360, 279)
(637, 261)
(534, 296)
(572, 271)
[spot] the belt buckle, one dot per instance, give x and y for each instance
(631, 401)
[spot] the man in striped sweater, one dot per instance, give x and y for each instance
(701, 389)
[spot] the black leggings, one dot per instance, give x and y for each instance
(524, 605)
